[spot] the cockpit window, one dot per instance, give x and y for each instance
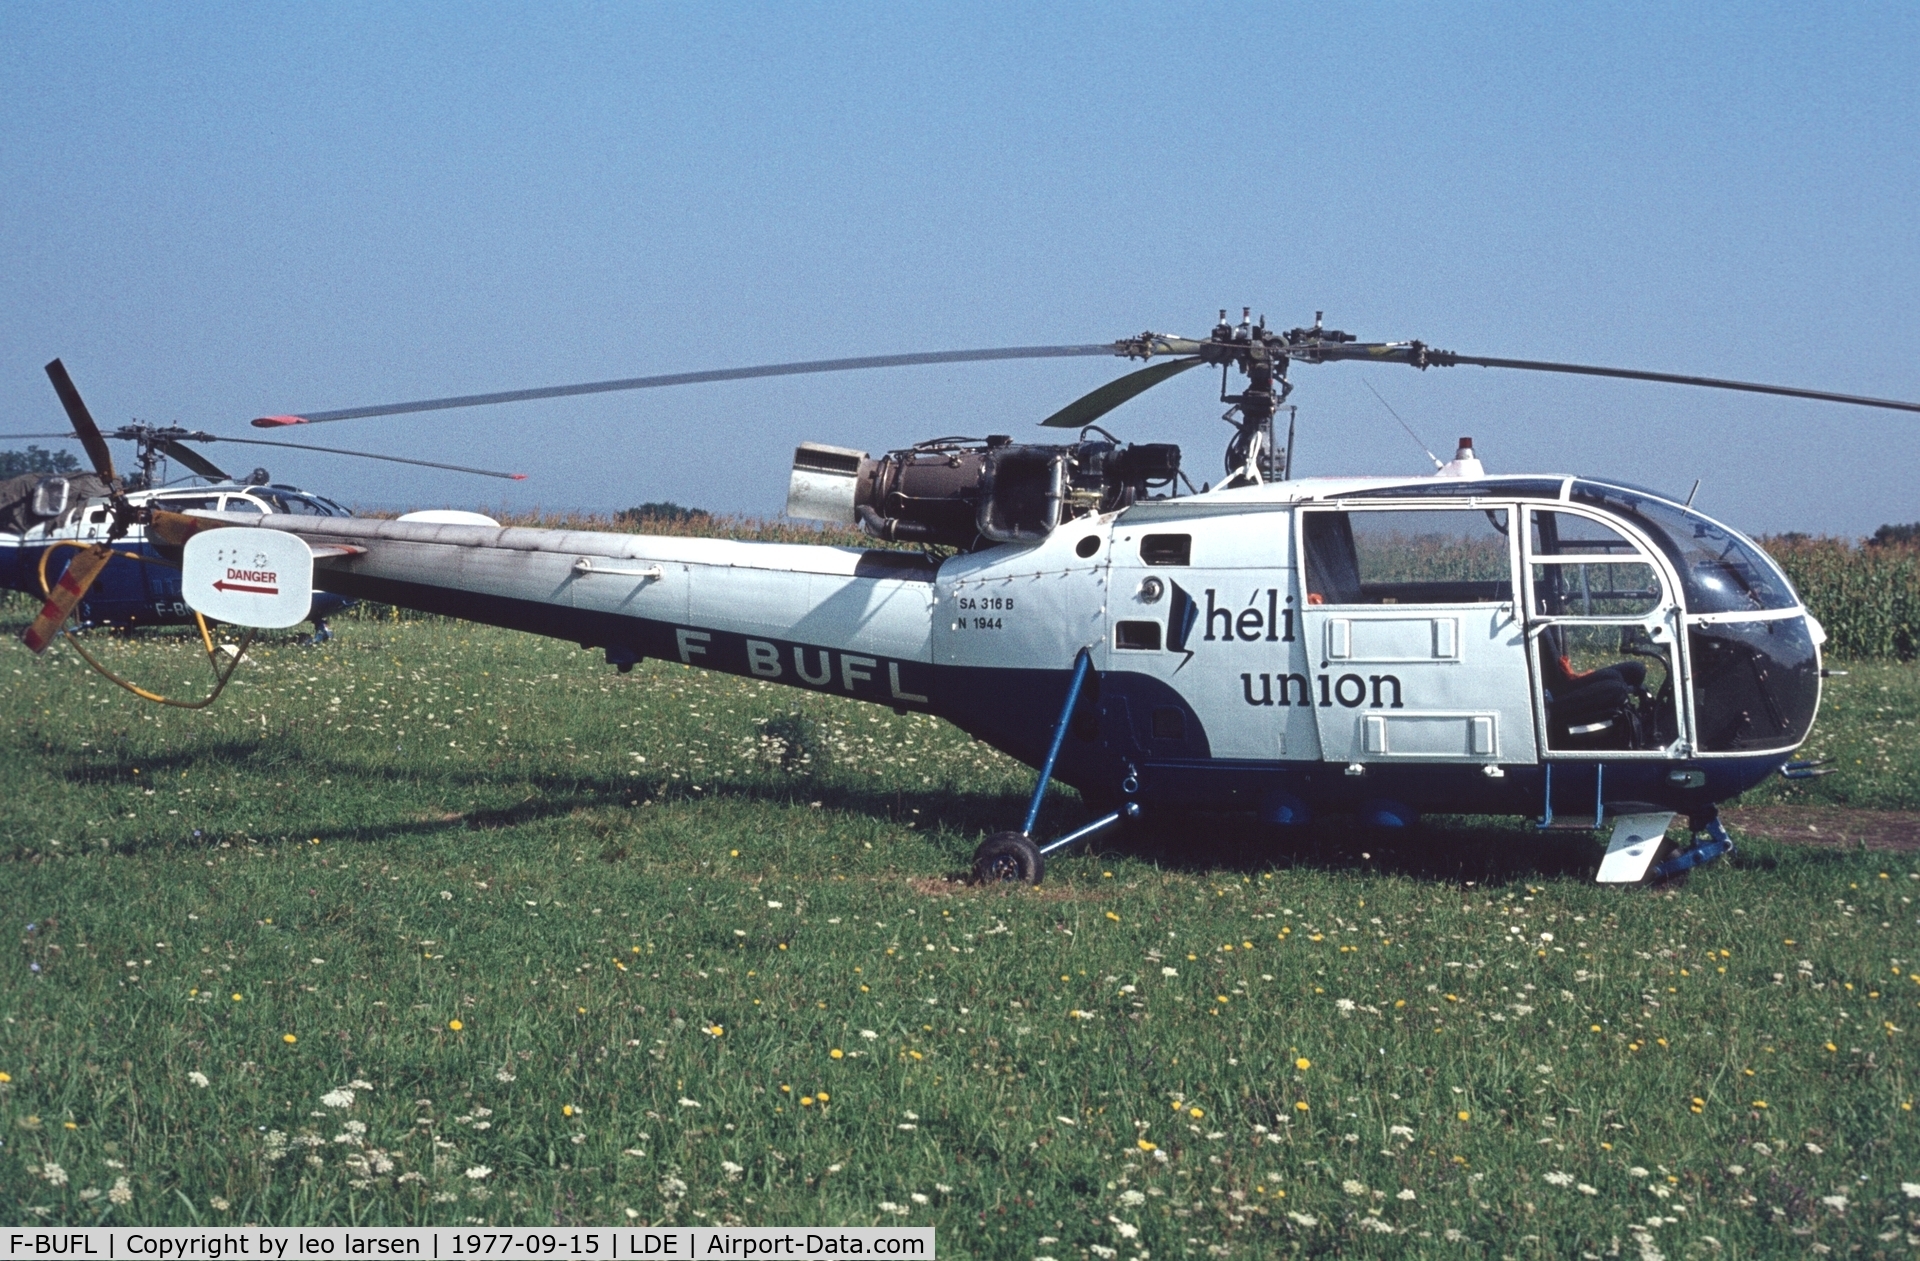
(299, 505)
(1720, 571)
(241, 503)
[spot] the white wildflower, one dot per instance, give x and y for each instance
(672, 1188)
(1736, 1170)
(477, 1172)
(1102, 1251)
(123, 1194)
(1126, 1230)
(1344, 1004)
(503, 1075)
(918, 1198)
(218, 1203)
(337, 1099)
(54, 1173)
(1816, 1149)
(1838, 1203)
(1131, 1198)
(776, 905)
(868, 1034)
(689, 1103)
(1407, 1194)
(446, 895)
(941, 1187)
(1303, 1219)
(1169, 971)
(1911, 1190)
(1377, 1226)
(733, 1171)
(907, 1125)
(1353, 1186)
(1636, 1172)
(1584, 1189)
(1401, 1131)
(1559, 1179)
(198, 1078)
(90, 1193)
(357, 1084)
(888, 1206)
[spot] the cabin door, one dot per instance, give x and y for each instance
(1411, 622)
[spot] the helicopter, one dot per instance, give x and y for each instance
(1578, 650)
(43, 515)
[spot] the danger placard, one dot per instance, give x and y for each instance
(249, 577)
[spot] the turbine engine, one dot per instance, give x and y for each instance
(966, 492)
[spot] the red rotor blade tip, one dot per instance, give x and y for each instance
(518, 477)
(274, 422)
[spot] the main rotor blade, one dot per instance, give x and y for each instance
(1090, 407)
(69, 435)
(192, 459)
(83, 426)
(365, 455)
(690, 378)
(1422, 356)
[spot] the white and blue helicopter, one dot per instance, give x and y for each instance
(44, 516)
(1573, 649)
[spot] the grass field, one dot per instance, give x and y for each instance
(440, 924)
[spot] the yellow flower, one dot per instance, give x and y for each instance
(1301, 1106)
(1195, 1113)
(806, 1101)
(5, 1078)
(916, 1055)
(1144, 1145)
(455, 1025)
(824, 1096)
(236, 998)
(581, 1010)
(566, 1109)
(1832, 1047)
(70, 1125)
(1303, 1063)
(1759, 1103)
(1464, 1115)
(1113, 917)
(786, 1090)
(716, 1030)
(836, 1054)
(733, 853)
(288, 1038)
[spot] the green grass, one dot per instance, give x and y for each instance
(471, 834)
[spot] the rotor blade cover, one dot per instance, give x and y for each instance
(248, 577)
(1091, 407)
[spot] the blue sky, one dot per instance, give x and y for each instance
(216, 211)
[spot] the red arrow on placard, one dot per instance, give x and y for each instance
(241, 586)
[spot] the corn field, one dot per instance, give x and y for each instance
(1867, 597)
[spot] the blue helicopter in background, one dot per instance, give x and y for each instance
(45, 514)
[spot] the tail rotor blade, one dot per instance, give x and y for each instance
(83, 426)
(68, 592)
(1090, 407)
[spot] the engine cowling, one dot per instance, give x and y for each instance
(967, 493)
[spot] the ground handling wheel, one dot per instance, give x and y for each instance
(1008, 856)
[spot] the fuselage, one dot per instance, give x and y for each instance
(1511, 645)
